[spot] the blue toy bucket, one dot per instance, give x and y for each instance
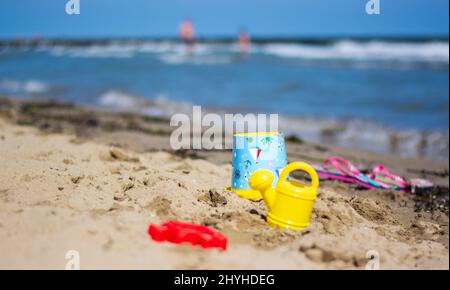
(254, 151)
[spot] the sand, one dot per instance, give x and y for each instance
(95, 189)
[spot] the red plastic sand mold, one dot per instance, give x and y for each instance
(181, 232)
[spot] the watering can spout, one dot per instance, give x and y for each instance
(262, 181)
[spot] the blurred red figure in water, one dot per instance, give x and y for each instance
(244, 42)
(187, 35)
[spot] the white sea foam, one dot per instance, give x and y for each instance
(168, 52)
(95, 51)
(346, 133)
(157, 47)
(366, 51)
(29, 87)
(126, 50)
(158, 106)
(119, 100)
(209, 53)
(176, 59)
(204, 54)
(163, 107)
(367, 135)
(350, 133)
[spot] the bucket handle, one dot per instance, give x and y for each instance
(301, 166)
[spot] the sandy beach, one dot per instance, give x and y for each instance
(84, 179)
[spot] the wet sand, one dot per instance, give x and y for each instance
(84, 179)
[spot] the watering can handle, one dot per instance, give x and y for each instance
(301, 166)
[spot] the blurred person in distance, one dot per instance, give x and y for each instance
(244, 42)
(187, 35)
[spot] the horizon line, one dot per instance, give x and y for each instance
(222, 38)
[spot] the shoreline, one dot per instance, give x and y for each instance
(100, 124)
(350, 133)
(62, 186)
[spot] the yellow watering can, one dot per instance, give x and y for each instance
(290, 203)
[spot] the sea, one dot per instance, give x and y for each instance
(381, 95)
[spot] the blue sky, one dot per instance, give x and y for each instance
(147, 18)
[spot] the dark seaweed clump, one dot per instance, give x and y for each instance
(432, 200)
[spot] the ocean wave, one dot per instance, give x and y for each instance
(171, 52)
(128, 50)
(346, 133)
(369, 136)
(120, 100)
(95, 51)
(204, 54)
(29, 87)
(158, 106)
(176, 59)
(360, 51)
(164, 107)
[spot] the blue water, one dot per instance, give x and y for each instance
(400, 86)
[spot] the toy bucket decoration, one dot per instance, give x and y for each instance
(252, 152)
